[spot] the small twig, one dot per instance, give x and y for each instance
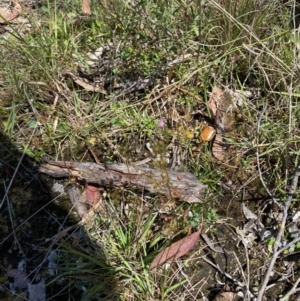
(289, 273)
(280, 234)
(258, 161)
(93, 155)
(293, 290)
(246, 250)
(9, 206)
(235, 281)
(248, 267)
(294, 241)
(187, 278)
(28, 219)
(17, 168)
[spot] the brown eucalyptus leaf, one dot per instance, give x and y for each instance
(177, 249)
(219, 149)
(93, 195)
(10, 12)
(214, 99)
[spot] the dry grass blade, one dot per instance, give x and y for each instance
(279, 237)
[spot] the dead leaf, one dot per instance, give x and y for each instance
(177, 249)
(93, 195)
(37, 291)
(222, 109)
(86, 84)
(20, 278)
(78, 199)
(219, 148)
(10, 12)
(86, 9)
(214, 99)
(225, 116)
(225, 296)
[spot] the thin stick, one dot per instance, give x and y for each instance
(276, 250)
(17, 168)
(9, 207)
(258, 161)
(292, 291)
(228, 276)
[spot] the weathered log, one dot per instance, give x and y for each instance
(182, 185)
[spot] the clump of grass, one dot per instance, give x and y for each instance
(126, 246)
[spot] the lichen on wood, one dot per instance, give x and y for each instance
(180, 185)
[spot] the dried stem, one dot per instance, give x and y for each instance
(276, 250)
(17, 168)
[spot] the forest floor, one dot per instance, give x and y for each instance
(174, 94)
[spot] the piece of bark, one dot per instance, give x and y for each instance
(182, 185)
(10, 12)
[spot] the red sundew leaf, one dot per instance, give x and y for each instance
(177, 249)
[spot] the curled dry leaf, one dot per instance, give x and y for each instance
(93, 195)
(219, 149)
(224, 118)
(10, 12)
(37, 291)
(225, 296)
(78, 200)
(214, 98)
(20, 278)
(177, 249)
(221, 107)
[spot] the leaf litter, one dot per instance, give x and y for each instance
(177, 249)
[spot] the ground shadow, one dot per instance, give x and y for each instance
(32, 223)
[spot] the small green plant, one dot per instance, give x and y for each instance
(200, 213)
(123, 260)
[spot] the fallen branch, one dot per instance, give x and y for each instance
(182, 185)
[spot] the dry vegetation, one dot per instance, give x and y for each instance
(203, 87)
